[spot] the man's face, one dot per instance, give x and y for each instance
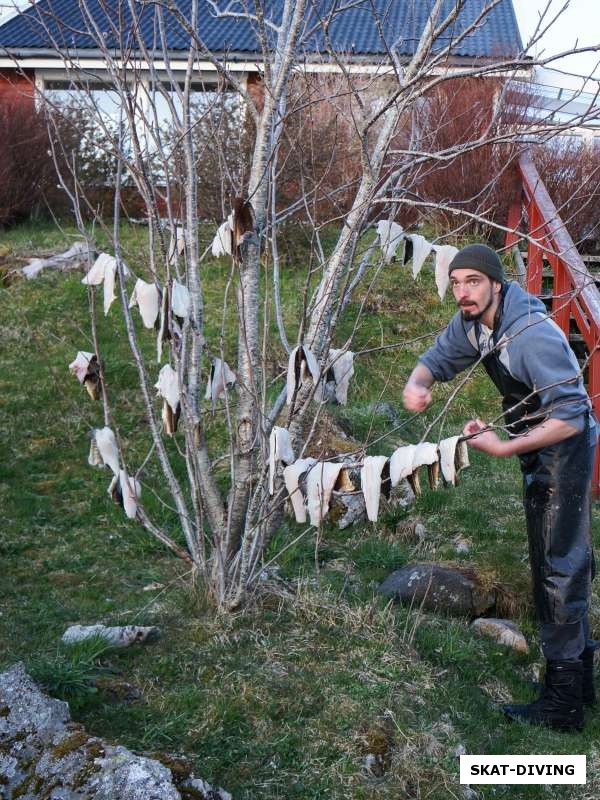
(473, 291)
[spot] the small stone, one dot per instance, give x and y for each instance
(459, 750)
(153, 587)
(120, 636)
(461, 544)
(503, 631)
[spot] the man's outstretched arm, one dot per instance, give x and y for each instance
(546, 433)
(417, 394)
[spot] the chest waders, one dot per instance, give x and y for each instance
(557, 501)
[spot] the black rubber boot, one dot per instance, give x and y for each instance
(560, 705)
(588, 692)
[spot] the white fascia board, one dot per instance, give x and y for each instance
(53, 62)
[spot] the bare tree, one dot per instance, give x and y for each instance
(397, 125)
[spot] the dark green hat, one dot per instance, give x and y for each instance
(479, 257)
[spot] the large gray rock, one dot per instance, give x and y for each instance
(122, 636)
(439, 588)
(45, 756)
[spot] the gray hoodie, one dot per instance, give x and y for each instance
(531, 347)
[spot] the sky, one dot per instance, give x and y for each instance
(578, 25)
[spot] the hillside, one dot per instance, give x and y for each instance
(318, 689)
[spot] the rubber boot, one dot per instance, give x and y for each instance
(560, 705)
(588, 692)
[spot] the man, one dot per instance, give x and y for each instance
(551, 430)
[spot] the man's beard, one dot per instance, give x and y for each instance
(470, 316)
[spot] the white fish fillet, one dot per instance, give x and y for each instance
(131, 493)
(95, 276)
(180, 300)
(80, 366)
(109, 285)
(343, 370)
(401, 463)
(453, 453)
(167, 386)
(421, 250)
(308, 366)
(370, 479)
(221, 376)
(443, 256)
(425, 453)
(319, 486)
(291, 476)
(176, 245)
(390, 236)
(106, 445)
(280, 449)
(146, 297)
(222, 244)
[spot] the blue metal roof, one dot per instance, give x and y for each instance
(52, 24)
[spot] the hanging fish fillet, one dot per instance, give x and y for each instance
(426, 454)
(104, 450)
(301, 364)
(401, 463)
(222, 244)
(280, 449)
(180, 301)
(370, 479)
(109, 285)
(176, 245)
(443, 256)
(125, 491)
(95, 276)
(319, 486)
(221, 378)
(147, 298)
(454, 457)
(390, 235)
(167, 387)
(418, 250)
(291, 476)
(86, 368)
(342, 366)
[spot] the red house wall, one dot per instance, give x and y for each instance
(17, 86)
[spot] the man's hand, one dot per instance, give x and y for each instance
(416, 397)
(487, 441)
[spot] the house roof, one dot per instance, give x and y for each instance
(52, 24)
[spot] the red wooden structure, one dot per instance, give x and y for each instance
(575, 297)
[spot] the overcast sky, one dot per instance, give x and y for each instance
(578, 26)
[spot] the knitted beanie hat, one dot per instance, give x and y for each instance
(479, 257)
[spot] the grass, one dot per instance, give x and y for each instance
(321, 690)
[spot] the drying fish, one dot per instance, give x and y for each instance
(443, 256)
(319, 486)
(167, 387)
(418, 248)
(221, 378)
(291, 476)
(165, 324)
(222, 244)
(109, 285)
(243, 222)
(342, 367)
(95, 276)
(390, 235)
(125, 491)
(370, 479)
(103, 450)
(176, 245)
(454, 456)
(280, 449)
(147, 298)
(401, 463)
(301, 364)
(426, 455)
(86, 368)
(180, 301)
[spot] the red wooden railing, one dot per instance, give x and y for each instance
(575, 297)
